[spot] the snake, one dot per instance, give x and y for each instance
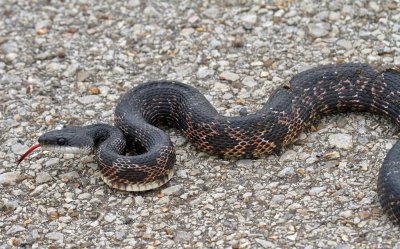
(136, 154)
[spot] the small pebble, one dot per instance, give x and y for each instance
(346, 214)
(183, 236)
(84, 196)
(173, 190)
(316, 190)
(82, 75)
(109, 217)
(229, 76)
(204, 73)
(249, 81)
(139, 200)
(249, 18)
(128, 201)
(276, 199)
(288, 155)
(66, 177)
(55, 236)
(15, 229)
(332, 155)
(287, 171)
(319, 29)
(19, 149)
(9, 178)
(89, 99)
(341, 141)
(265, 243)
(52, 161)
(39, 189)
(43, 177)
(346, 44)
(55, 67)
(133, 3)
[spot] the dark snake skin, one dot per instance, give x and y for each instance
(311, 94)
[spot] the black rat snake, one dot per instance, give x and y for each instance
(310, 95)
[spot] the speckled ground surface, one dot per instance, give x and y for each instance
(68, 62)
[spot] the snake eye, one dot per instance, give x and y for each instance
(61, 141)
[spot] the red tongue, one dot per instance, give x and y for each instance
(34, 147)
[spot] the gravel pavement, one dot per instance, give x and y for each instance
(68, 62)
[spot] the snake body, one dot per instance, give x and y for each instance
(311, 94)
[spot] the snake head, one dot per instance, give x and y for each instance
(69, 140)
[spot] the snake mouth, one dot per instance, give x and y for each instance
(57, 149)
(67, 149)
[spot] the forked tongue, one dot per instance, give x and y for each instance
(34, 147)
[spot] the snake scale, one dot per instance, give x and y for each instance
(311, 94)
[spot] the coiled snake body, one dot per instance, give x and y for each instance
(311, 94)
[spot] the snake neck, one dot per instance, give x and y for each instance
(106, 136)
